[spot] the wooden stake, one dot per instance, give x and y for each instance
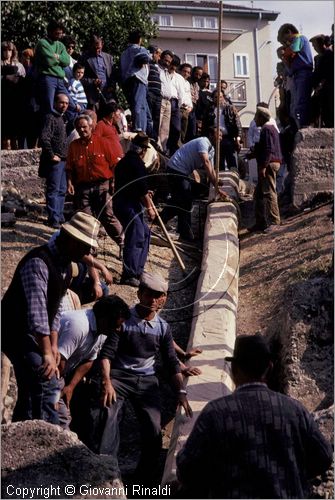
(168, 237)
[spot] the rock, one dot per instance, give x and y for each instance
(40, 456)
(8, 220)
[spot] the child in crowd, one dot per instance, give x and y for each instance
(76, 88)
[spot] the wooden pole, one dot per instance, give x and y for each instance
(167, 236)
(218, 90)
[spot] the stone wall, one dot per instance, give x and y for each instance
(19, 174)
(312, 165)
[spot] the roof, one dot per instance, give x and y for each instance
(197, 6)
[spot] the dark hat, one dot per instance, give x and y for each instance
(265, 112)
(250, 351)
(154, 282)
(141, 140)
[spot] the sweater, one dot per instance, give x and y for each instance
(268, 149)
(45, 60)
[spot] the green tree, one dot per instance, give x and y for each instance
(25, 22)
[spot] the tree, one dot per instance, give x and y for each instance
(25, 22)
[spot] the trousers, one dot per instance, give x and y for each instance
(265, 197)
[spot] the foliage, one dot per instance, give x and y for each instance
(25, 22)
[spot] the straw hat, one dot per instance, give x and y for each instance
(83, 227)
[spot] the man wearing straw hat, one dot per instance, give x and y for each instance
(30, 317)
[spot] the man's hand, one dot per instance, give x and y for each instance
(48, 368)
(151, 213)
(108, 277)
(108, 394)
(56, 353)
(97, 82)
(66, 394)
(182, 401)
(70, 188)
(262, 172)
(97, 290)
(56, 158)
(193, 352)
(190, 371)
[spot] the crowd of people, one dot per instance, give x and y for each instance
(76, 367)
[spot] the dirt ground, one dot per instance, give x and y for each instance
(285, 292)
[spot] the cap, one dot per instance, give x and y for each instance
(154, 282)
(83, 227)
(250, 351)
(141, 140)
(263, 112)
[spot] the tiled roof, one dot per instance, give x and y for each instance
(210, 4)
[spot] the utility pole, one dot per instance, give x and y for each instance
(218, 89)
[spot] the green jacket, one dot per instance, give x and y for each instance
(45, 60)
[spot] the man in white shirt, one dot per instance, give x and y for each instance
(185, 71)
(166, 90)
(81, 336)
(177, 101)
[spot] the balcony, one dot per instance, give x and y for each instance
(236, 90)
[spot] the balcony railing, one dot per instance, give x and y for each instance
(236, 90)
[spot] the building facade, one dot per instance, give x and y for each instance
(190, 30)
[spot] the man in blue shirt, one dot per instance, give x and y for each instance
(98, 81)
(128, 364)
(194, 155)
(134, 64)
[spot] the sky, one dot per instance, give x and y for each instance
(310, 17)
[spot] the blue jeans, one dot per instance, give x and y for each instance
(137, 237)
(48, 87)
(180, 203)
(136, 94)
(37, 397)
(302, 90)
(55, 192)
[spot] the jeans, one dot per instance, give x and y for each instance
(55, 192)
(137, 237)
(227, 153)
(136, 94)
(143, 393)
(180, 203)
(36, 396)
(49, 86)
(302, 90)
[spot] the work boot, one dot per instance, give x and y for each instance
(130, 282)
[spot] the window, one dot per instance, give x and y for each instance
(204, 22)
(164, 20)
(241, 65)
(209, 62)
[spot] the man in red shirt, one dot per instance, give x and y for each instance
(89, 167)
(108, 127)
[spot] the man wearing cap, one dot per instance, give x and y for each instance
(89, 168)
(30, 317)
(253, 443)
(268, 156)
(131, 199)
(128, 364)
